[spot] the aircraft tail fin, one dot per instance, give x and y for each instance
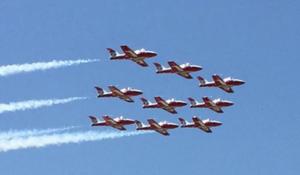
(192, 101)
(182, 121)
(100, 91)
(158, 67)
(206, 99)
(145, 101)
(94, 120)
(138, 124)
(201, 80)
(112, 52)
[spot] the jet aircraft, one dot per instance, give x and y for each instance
(204, 125)
(225, 84)
(215, 105)
(124, 94)
(183, 70)
(161, 127)
(167, 105)
(117, 123)
(137, 56)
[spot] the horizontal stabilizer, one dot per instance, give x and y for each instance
(201, 80)
(100, 91)
(94, 120)
(145, 101)
(112, 52)
(182, 121)
(192, 101)
(158, 66)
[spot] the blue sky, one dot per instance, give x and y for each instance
(257, 41)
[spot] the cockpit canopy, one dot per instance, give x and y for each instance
(171, 100)
(228, 78)
(185, 65)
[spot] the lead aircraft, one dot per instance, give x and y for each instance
(137, 56)
(167, 105)
(117, 123)
(225, 84)
(204, 125)
(183, 70)
(124, 94)
(215, 105)
(161, 127)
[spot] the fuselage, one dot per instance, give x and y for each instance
(208, 123)
(127, 92)
(162, 125)
(118, 121)
(188, 69)
(173, 103)
(140, 55)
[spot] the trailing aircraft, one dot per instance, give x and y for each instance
(225, 84)
(161, 127)
(124, 94)
(137, 56)
(183, 70)
(117, 123)
(167, 105)
(204, 125)
(215, 105)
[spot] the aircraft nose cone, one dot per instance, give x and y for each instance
(154, 54)
(230, 103)
(183, 103)
(242, 82)
(198, 68)
(219, 123)
(175, 126)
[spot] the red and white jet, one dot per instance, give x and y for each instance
(117, 123)
(215, 105)
(167, 105)
(124, 94)
(161, 127)
(225, 84)
(183, 70)
(137, 56)
(204, 125)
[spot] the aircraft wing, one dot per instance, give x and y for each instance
(170, 109)
(179, 70)
(218, 80)
(201, 125)
(185, 75)
(113, 123)
(129, 52)
(165, 105)
(226, 89)
(156, 127)
(119, 93)
(175, 66)
(216, 109)
(140, 62)
(161, 101)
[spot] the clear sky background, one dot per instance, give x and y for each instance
(256, 41)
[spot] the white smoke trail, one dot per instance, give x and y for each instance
(39, 141)
(33, 104)
(33, 132)
(30, 67)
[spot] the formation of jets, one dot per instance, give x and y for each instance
(169, 105)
